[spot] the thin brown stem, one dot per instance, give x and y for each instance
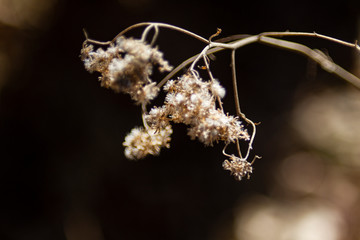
(184, 64)
(234, 81)
(314, 34)
(238, 148)
(318, 57)
(88, 40)
(207, 65)
(163, 25)
(237, 105)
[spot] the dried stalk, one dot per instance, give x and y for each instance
(233, 43)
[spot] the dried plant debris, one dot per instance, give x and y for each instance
(126, 65)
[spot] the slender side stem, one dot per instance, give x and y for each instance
(232, 38)
(236, 95)
(234, 81)
(202, 54)
(237, 105)
(220, 103)
(238, 148)
(207, 64)
(143, 113)
(314, 34)
(150, 24)
(97, 42)
(145, 32)
(251, 138)
(184, 64)
(223, 151)
(237, 44)
(318, 57)
(255, 157)
(156, 34)
(163, 25)
(219, 45)
(93, 41)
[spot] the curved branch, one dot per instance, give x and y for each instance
(324, 62)
(184, 64)
(163, 25)
(318, 57)
(314, 34)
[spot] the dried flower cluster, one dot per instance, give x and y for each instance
(140, 142)
(126, 67)
(238, 167)
(193, 102)
(127, 64)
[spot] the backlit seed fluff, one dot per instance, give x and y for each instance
(217, 89)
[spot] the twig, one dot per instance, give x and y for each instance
(184, 64)
(234, 82)
(232, 43)
(163, 25)
(322, 60)
(237, 104)
(314, 34)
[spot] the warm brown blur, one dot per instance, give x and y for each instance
(63, 173)
(18, 19)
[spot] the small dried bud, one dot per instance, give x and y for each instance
(158, 118)
(146, 93)
(238, 167)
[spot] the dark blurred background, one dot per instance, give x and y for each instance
(63, 174)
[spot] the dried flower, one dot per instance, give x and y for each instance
(126, 67)
(238, 167)
(140, 142)
(192, 101)
(218, 127)
(158, 117)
